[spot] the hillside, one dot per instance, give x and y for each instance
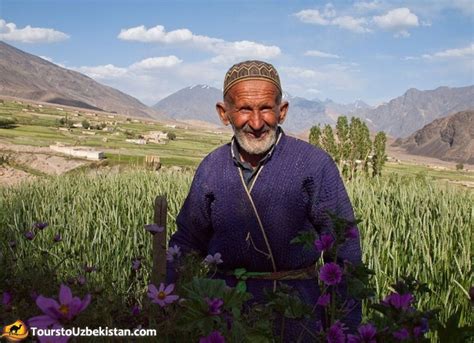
(27, 76)
(450, 139)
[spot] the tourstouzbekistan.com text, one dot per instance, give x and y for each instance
(96, 332)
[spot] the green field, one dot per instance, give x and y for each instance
(410, 227)
(39, 127)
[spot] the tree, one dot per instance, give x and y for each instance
(459, 166)
(85, 124)
(315, 136)
(328, 142)
(344, 144)
(171, 136)
(379, 157)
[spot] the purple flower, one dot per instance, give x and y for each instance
(330, 274)
(6, 299)
(57, 238)
(55, 313)
(136, 310)
(172, 253)
(324, 300)
(214, 337)
(335, 334)
(162, 296)
(352, 233)
(81, 280)
(324, 243)
(402, 334)
(215, 305)
(216, 259)
(366, 334)
(40, 225)
(398, 301)
(421, 329)
(136, 264)
(30, 235)
(12, 244)
(154, 228)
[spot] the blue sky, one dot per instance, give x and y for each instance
(342, 50)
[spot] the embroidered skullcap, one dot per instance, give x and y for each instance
(251, 70)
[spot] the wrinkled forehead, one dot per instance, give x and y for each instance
(251, 70)
(255, 92)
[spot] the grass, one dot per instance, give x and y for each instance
(410, 225)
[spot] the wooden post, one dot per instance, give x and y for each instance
(158, 271)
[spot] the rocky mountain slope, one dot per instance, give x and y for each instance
(28, 76)
(450, 138)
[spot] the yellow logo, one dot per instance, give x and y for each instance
(15, 332)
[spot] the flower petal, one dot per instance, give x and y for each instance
(169, 288)
(65, 295)
(152, 289)
(41, 322)
(47, 305)
(171, 298)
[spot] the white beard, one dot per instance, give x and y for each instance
(255, 146)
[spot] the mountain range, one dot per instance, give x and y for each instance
(30, 77)
(400, 117)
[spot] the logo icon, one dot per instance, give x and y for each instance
(15, 332)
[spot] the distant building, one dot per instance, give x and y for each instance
(136, 141)
(83, 152)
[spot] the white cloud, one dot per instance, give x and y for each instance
(328, 17)
(157, 62)
(108, 71)
(226, 51)
(367, 5)
(398, 20)
(312, 17)
(28, 34)
(466, 52)
(317, 53)
(351, 23)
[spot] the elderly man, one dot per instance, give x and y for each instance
(251, 197)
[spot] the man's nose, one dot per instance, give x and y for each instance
(256, 120)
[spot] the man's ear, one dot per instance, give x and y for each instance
(283, 111)
(220, 108)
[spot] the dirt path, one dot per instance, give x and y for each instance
(40, 159)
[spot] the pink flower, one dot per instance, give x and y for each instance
(162, 296)
(216, 259)
(330, 274)
(324, 300)
(324, 243)
(214, 337)
(55, 313)
(172, 253)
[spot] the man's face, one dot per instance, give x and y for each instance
(251, 108)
